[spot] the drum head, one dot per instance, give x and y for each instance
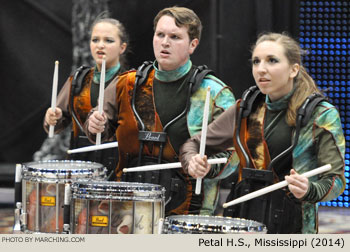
(197, 224)
(63, 169)
(123, 191)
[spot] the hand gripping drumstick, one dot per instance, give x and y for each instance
(275, 186)
(203, 137)
(53, 97)
(169, 165)
(94, 147)
(101, 94)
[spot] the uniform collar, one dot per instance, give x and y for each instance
(173, 75)
(109, 73)
(281, 103)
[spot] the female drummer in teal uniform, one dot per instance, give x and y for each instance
(267, 130)
(80, 92)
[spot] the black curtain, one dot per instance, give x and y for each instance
(240, 22)
(35, 33)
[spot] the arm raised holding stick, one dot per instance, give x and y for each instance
(101, 95)
(274, 187)
(54, 96)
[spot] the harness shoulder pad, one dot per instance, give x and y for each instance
(143, 72)
(248, 98)
(78, 79)
(307, 108)
(198, 75)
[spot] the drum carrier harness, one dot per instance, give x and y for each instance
(172, 179)
(279, 210)
(108, 157)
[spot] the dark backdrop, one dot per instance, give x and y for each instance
(35, 33)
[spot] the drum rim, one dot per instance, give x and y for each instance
(66, 161)
(183, 223)
(116, 190)
(86, 169)
(113, 184)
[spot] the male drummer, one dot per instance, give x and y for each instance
(155, 116)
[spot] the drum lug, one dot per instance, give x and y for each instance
(17, 219)
(66, 228)
(24, 221)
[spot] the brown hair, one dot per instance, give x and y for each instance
(304, 83)
(183, 17)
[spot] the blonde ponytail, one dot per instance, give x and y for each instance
(305, 86)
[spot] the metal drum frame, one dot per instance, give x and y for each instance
(53, 173)
(115, 194)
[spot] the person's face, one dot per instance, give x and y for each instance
(171, 44)
(271, 70)
(105, 41)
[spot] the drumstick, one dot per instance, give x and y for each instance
(101, 95)
(53, 97)
(169, 165)
(275, 187)
(93, 148)
(203, 137)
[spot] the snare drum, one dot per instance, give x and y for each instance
(197, 224)
(43, 191)
(105, 207)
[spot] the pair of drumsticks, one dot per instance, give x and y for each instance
(100, 98)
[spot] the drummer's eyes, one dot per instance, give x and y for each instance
(106, 40)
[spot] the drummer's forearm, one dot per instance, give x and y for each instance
(188, 150)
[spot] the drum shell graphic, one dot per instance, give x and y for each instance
(43, 192)
(105, 207)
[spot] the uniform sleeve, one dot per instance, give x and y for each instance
(223, 100)
(63, 104)
(330, 149)
(219, 138)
